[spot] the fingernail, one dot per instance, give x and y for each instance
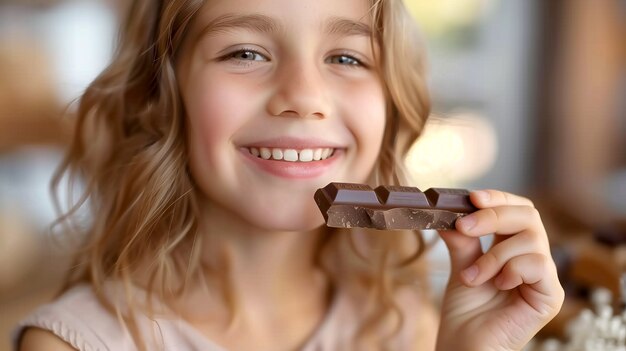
(470, 273)
(467, 223)
(483, 195)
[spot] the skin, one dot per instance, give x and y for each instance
(498, 300)
(302, 82)
(288, 89)
(297, 85)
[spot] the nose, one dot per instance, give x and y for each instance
(300, 91)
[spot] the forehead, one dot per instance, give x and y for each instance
(346, 17)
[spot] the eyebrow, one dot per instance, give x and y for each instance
(347, 27)
(255, 23)
(265, 24)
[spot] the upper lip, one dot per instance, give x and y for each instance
(287, 142)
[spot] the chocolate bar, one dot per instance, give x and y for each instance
(348, 205)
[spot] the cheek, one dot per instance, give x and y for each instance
(212, 111)
(214, 114)
(367, 121)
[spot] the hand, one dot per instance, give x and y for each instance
(498, 300)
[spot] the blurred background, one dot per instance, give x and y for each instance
(529, 97)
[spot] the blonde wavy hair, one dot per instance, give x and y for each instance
(129, 153)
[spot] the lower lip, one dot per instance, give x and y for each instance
(293, 170)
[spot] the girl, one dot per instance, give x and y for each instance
(201, 147)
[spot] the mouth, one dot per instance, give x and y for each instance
(294, 158)
(291, 155)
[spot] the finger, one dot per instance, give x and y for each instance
(492, 262)
(491, 198)
(502, 220)
(463, 250)
(494, 198)
(535, 276)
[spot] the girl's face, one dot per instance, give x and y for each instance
(282, 97)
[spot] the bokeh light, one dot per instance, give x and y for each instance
(453, 151)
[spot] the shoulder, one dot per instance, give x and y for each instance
(76, 321)
(35, 339)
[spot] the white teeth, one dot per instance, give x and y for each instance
(306, 155)
(266, 153)
(325, 153)
(292, 155)
(277, 154)
(317, 154)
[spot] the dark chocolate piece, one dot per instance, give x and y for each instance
(348, 205)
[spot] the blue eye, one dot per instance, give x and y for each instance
(246, 55)
(346, 60)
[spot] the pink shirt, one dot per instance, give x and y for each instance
(78, 318)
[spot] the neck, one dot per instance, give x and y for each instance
(265, 268)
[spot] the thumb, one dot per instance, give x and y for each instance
(464, 250)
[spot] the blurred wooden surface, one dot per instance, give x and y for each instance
(30, 110)
(581, 143)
